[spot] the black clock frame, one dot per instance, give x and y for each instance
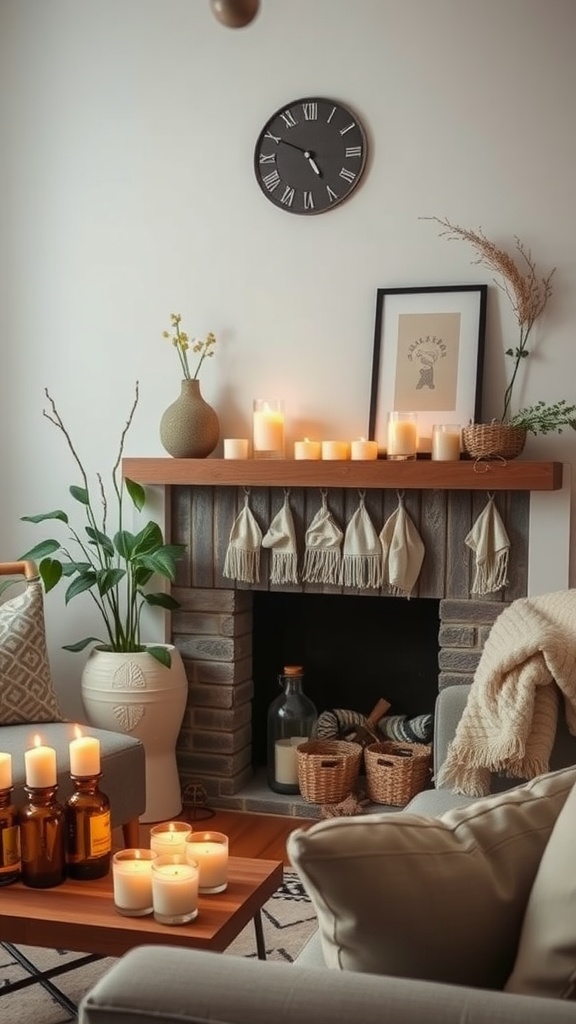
(310, 155)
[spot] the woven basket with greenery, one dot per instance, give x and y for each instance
(493, 440)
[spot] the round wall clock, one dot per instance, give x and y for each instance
(310, 156)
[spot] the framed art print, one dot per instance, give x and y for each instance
(428, 357)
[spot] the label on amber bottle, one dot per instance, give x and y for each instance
(100, 834)
(9, 848)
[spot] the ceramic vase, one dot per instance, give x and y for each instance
(189, 427)
(135, 694)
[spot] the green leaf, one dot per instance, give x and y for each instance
(50, 570)
(162, 562)
(148, 540)
(136, 492)
(41, 550)
(81, 644)
(79, 494)
(161, 654)
(99, 538)
(141, 575)
(85, 581)
(70, 568)
(57, 514)
(108, 579)
(124, 542)
(162, 601)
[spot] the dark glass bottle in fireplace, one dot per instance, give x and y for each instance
(292, 720)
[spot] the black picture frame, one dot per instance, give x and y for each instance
(415, 329)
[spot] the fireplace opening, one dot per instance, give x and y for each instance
(354, 650)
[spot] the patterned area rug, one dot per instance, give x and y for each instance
(288, 922)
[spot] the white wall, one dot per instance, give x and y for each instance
(128, 129)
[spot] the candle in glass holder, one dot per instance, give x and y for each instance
(132, 881)
(268, 428)
(402, 435)
(174, 889)
(210, 851)
(169, 837)
(446, 442)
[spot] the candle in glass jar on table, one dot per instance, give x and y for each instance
(402, 435)
(174, 889)
(84, 755)
(132, 881)
(169, 837)
(286, 760)
(40, 765)
(210, 851)
(268, 428)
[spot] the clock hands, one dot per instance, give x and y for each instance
(306, 153)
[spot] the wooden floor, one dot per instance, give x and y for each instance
(250, 835)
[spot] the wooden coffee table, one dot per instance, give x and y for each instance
(80, 916)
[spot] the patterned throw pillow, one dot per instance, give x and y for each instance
(26, 691)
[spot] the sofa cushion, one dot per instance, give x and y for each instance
(433, 898)
(26, 691)
(546, 960)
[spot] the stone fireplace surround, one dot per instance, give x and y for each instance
(197, 501)
(213, 627)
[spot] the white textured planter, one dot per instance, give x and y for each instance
(135, 694)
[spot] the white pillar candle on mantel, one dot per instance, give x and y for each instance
(268, 428)
(169, 837)
(335, 450)
(174, 889)
(209, 850)
(446, 442)
(84, 755)
(235, 447)
(286, 761)
(307, 449)
(40, 766)
(5, 771)
(363, 449)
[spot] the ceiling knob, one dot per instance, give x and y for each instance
(235, 13)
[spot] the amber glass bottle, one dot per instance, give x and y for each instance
(10, 859)
(88, 831)
(42, 834)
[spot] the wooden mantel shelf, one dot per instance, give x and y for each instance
(423, 474)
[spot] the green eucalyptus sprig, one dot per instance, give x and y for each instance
(203, 347)
(544, 418)
(113, 569)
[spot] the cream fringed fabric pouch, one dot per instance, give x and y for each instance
(489, 542)
(402, 552)
(362, 554)
(323, 554)
(281, 538)
(242, 560)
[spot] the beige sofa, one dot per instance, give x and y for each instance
(451, 910)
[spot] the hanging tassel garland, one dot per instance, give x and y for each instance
(242, 561)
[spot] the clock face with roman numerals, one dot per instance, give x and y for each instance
(310, 156)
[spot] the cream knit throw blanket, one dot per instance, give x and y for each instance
(509, 722)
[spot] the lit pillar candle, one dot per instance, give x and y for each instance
(307, 449)
(235, 447)
(40, 765)
(5, 771)
(84, 755)
(169, 837)
(446, 442)
(174, 889)
(132, 882)
(402, 435)
(268, 428)
(335, 450)
(363, 449)
(209, 850)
